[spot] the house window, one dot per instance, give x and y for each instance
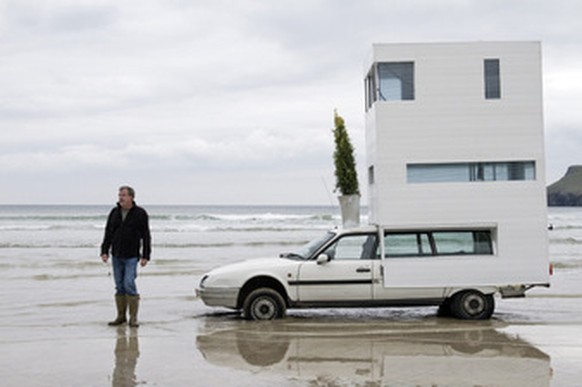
(396, 81)
(462, 242)
(437, 243)
(470, 172)
(371, 96)
(389, 81)
(371, 175)
(407, 244)
(492, 79)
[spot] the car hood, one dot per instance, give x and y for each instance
(257, 266)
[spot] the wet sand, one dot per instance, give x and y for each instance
(183, 343)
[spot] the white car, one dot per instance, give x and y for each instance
(345, 268)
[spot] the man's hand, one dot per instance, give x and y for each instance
(104, 258)
(143, 262)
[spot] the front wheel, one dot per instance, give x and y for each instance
(263, 304)
(472, 305)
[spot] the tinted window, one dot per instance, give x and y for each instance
(407, 244)
(492, 79)
(423, 243)
(450, 243)
(396, 81)
(466, 172)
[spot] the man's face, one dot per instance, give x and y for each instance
(125, 200)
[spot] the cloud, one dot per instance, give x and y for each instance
(260, 149)
(106, 89)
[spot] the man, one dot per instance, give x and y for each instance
(126, 231)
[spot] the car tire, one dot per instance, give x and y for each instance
(263, 304)
(472, 305)
(444, 309)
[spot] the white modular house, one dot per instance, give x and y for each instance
(454, 143)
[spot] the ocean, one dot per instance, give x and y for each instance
(45, 242)
(62, 242)
(56, 295)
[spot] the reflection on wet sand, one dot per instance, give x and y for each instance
(432, 352)
(126, 355)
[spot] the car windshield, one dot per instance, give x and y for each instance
(307, 251)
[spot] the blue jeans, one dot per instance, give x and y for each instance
(124, 274)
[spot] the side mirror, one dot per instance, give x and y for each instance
(322, 258)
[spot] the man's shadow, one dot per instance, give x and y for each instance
(126, 355)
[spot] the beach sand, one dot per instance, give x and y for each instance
(181, 342)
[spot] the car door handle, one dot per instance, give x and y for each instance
(363, 270)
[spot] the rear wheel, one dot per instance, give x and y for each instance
(263, 304)
(472, 305)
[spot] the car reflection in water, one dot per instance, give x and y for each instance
(428, 352)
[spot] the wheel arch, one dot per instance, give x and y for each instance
(487, 290)
(261, 281)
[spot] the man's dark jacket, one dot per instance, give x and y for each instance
(124, 237)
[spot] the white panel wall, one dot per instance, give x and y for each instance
(451, 121)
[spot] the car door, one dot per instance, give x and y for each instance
(345, 277)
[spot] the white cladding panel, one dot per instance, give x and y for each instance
(450, 121)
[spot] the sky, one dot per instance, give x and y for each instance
(231, 101)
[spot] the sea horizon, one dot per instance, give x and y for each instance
(166, 205)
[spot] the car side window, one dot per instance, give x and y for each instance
(438, 243)
(407, 244)
(353, 247)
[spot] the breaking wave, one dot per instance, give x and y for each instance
(566, 241)
(571, 264)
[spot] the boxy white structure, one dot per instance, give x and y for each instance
(454, 141)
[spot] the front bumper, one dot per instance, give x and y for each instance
(225, 297)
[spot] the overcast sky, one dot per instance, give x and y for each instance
(230, 102)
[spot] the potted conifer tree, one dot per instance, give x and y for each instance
(346, 175)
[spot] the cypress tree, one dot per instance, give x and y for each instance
(343, 156)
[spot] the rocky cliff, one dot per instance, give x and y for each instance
(568, 190)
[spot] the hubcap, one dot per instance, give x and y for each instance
(264, 309)
(474, 304)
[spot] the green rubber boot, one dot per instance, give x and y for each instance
(121, 304)
(133, 302)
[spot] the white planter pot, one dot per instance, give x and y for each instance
(350, 210)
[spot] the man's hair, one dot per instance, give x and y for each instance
(130, 191)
